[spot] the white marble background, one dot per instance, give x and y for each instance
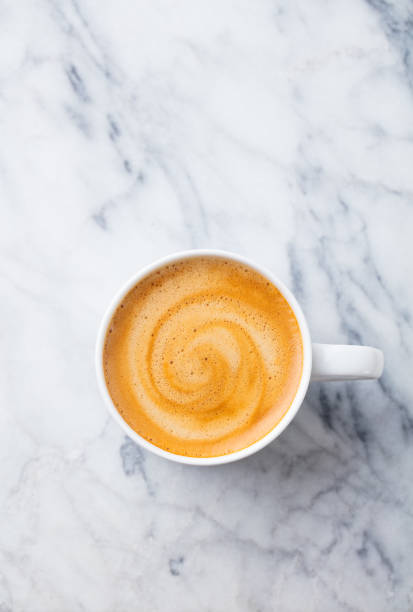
(279, 129)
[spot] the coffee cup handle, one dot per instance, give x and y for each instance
(346, 362)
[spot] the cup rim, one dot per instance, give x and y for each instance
(282, 423)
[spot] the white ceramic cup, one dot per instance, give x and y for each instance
(321, 361)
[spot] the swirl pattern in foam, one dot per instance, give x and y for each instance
(203, 357)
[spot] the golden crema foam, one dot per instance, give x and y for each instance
(203, 357)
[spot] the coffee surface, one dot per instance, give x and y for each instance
(203, 357)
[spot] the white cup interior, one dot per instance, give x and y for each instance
(278, 428)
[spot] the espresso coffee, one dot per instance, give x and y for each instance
(203, 357)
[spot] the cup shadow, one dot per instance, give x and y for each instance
(331, 443)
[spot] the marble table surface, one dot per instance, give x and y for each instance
(282, 131)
